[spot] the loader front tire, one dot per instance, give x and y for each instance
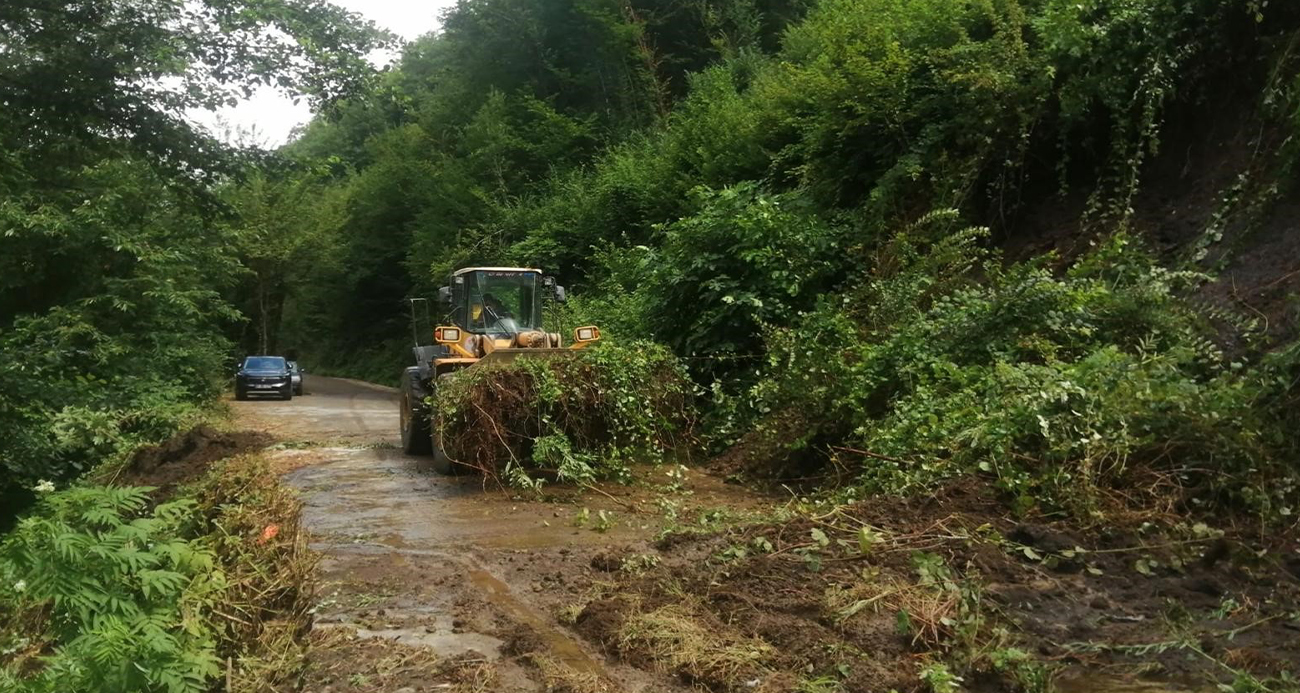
(416, 439)
(441, 463)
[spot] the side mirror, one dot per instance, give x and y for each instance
(444, 295)
(560, 296)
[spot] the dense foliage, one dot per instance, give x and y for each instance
(1053, 386)
(798, 199)
(755, 192)
(133, 340)
(119, 269)
(122, 271)
(726, 178)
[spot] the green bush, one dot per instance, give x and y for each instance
(74, 395)
(745, 259)
(1053, 386)
(111, 320)
(111, 596)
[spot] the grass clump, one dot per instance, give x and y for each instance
(675, 637)
(250, 523)
(578, 418)
(559, 677)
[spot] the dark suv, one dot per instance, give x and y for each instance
(264, 375)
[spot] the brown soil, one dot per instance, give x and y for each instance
(440, 583)
(1093, 609)
(185, 457)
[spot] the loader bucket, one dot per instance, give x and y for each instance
(502, 356)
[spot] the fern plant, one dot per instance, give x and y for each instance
(126, 599)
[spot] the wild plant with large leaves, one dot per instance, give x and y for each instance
(99, 593)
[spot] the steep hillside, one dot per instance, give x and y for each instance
(865, 225)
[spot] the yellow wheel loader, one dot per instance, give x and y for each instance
(492, 315)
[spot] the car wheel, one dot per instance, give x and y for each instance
(288, 394)
(241, 395)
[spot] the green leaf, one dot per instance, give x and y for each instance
(867, 539)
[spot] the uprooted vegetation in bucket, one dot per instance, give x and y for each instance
(576, 419)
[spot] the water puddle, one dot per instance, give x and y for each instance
(444, 643)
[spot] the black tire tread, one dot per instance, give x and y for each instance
(416, 439)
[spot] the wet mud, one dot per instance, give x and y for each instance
(451, 572)
(442, 583)
(187, 456)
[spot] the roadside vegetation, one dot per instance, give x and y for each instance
(122, 275)
(126, 588)
(1000, 292)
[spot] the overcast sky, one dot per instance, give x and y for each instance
(272, 116)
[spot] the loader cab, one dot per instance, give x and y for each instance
(497, 301)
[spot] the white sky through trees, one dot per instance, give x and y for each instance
(268, 118)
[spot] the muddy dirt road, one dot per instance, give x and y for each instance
(420, 569)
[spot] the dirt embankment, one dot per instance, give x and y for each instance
(1218, 197)
(188, 456)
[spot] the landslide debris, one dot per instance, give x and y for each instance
(187, 456)
(892, 593)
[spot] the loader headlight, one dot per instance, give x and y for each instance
(446, 335)
(586, 334)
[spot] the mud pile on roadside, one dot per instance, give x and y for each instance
(896, 594)
(187, 456)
